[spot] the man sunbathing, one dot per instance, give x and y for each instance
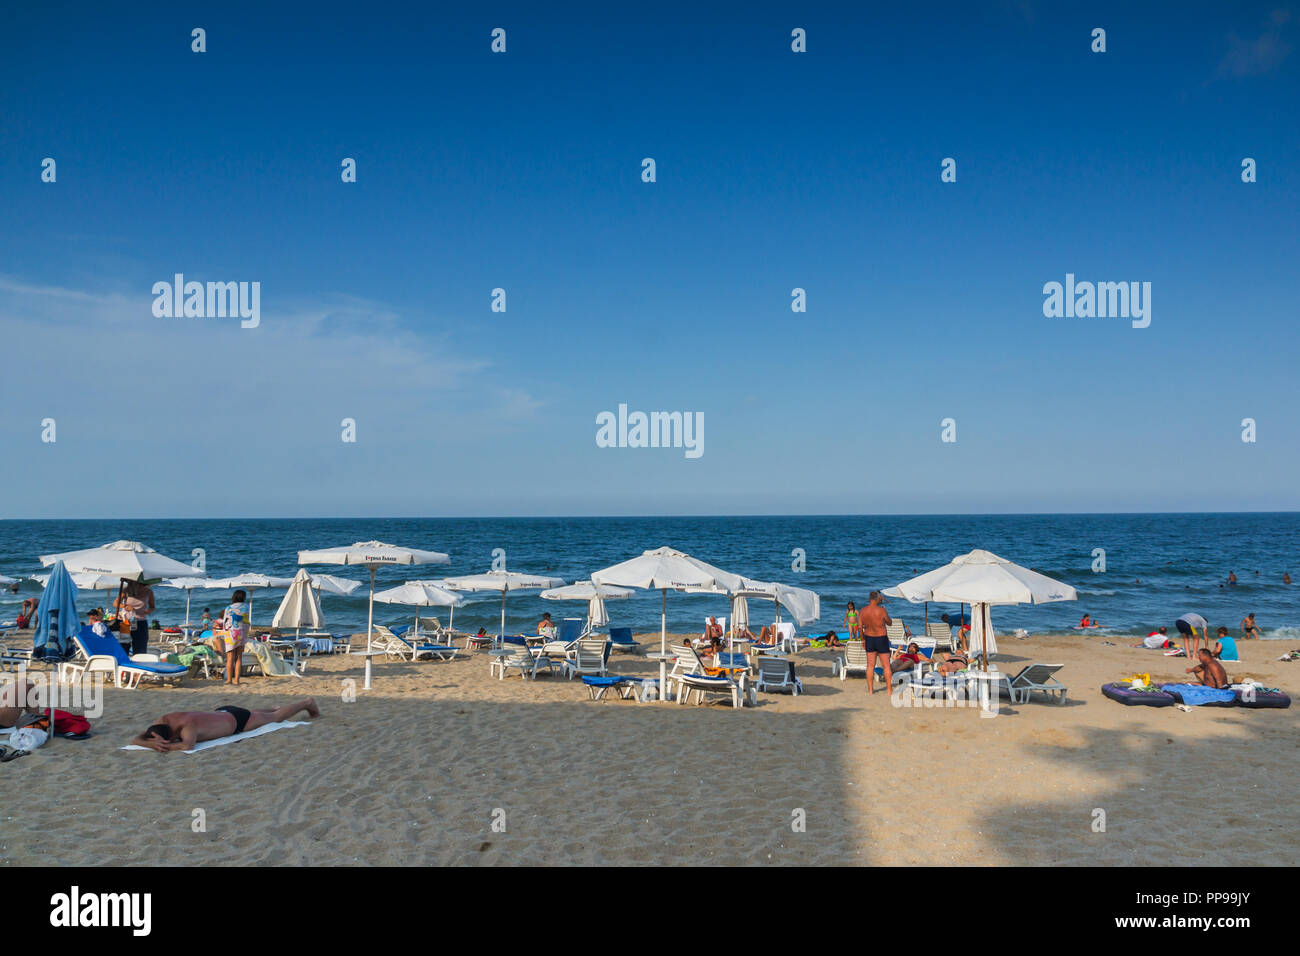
(185, 728)
(1209, 672)
(713, 634)
(906, 660)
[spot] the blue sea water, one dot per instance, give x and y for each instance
(1158, 566)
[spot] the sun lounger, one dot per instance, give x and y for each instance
(777, 673)
(104, 655)
(852, 661)
(896, 631)
(692, 677)
(625, 685)
(271, 661)
(1035, 677)
(522, 660)
(591, 657)
(621, 639)
(941, 634)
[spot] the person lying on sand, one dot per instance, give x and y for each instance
(183, 729)
(1209, 672)
(11, 703)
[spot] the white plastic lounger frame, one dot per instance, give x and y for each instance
(775, 673)
(522, 660)
(852, 661)
(1035, 677)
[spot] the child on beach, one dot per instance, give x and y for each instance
(96, 620)
(1249, 629)
(851, 620)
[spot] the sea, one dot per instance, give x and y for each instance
(1133, 572)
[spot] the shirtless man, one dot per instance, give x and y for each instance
(713, 634)
(1249, 629)
(874, 621)
(1209, 671)
(185, 728)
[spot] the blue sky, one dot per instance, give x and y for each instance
(775, 170)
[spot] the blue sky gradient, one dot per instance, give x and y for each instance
(775, 170)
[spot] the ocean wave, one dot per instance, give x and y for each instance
(1280, 634)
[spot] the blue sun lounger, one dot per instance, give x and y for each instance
(105, 655)
(621, 638)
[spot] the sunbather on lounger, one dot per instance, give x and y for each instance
(906, 660)
(713, 634)
(952, 664)
(1209, 672)
(183, 729)
(12, 697)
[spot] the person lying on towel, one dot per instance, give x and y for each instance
(1209, 671)
(185, 728)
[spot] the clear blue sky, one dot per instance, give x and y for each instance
(775, 170)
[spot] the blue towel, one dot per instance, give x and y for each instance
(1195, 694)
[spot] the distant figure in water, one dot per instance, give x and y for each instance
(1249, 629)
(1232, 577)
(1088, 622)
(1286, 577)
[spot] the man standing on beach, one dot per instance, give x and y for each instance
(874, 621)
(1187, 625)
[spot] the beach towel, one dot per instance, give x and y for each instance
(1194, 695)
(220, 741)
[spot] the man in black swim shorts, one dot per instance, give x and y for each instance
(874, 621)
(183, 729)
(239, 713)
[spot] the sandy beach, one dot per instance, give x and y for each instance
(416, 770)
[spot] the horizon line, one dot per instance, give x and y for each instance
(538, 517)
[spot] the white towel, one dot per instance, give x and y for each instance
(264, 729)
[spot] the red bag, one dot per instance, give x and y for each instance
(65, 724)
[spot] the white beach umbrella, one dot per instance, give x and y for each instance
(505, 582)
(86, 581)
(372, 555)
(594, 594)
(301, 605)
(124, 559)
(804, 605)
(982, 579)
(666, 569)
(328, 584)
(249, 582)
(187, 585)
(420, 594)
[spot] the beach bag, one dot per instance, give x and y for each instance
(69, 725)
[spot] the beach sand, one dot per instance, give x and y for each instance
(416, 771)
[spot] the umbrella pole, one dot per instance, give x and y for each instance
(187, 605)
(503, 620)
(663, 643)
(370, 618)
